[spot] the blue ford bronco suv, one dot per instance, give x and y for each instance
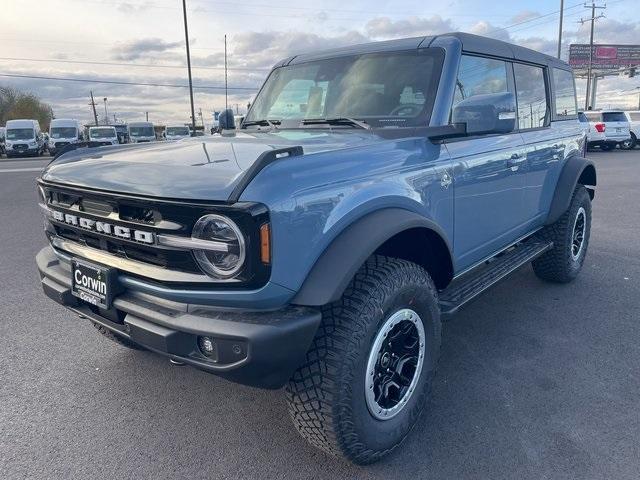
(370, 191)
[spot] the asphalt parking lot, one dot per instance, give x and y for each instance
(535, 381)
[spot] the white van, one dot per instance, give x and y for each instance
(100, 136)
(63, 132)
(176, 132)
(141, 132)
(23, 137)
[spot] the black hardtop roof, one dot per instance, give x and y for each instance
(470, 43)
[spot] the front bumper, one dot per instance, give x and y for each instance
(260, 349)
(23, 151)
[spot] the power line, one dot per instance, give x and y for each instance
(117, 82)
(122, 64)
(497, 29)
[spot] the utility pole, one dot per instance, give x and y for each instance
(93, 106)
(186, 40)
(146, 115)
(560, 28)
(106, 115)
(590, 67)
(226, 106)
(201, 117)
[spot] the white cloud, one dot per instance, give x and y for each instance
(142, 48)
(384, 27)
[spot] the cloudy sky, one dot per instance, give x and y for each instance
(142, 42)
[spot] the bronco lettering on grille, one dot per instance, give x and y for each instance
(104, 228)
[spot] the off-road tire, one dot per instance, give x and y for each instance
(116, 338)
(326, 395)
(558, 265)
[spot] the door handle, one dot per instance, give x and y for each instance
(516, 159)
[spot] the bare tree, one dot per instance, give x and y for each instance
(16, 104)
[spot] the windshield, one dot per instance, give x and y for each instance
(141, 131)
(102, 133)
(20, 134)
(384, 89)
(63, 132)
(177, 131)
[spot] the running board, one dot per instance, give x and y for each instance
(481, 278)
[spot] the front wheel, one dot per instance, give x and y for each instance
(570, 236)
(368, 373)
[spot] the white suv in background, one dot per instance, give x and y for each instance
(607, 129)
(634, 127)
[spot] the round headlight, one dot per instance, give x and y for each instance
(220, 264)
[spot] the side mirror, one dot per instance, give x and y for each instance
(227, 122)
(486, 114)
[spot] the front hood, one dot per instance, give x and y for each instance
(205, 168)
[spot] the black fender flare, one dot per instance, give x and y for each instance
(337, 265)
(576, 170)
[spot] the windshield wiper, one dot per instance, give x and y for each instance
(263, 122)
(337, 121)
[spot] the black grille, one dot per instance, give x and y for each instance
(160, 217)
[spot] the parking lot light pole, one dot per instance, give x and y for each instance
(186, 41)
(106, 115)
(560, 28)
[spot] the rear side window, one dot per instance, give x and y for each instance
(634, 116)
(565, 91)
(531, 93)
(614, 117)
(583, 118)
(479, 76)
(594, 117)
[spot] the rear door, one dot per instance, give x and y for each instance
(488, 176)
(546, 134)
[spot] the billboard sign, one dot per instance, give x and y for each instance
(605, 57)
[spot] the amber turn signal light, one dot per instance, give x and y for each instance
(265, 243)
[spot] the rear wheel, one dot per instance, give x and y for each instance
(570, 236)
(630, 143)
(367, 375)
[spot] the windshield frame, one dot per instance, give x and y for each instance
(185, 131)
(141, 128)
(111, 130)
(375, 121)
(12, 129)
(53, 134)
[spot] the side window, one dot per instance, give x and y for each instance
(565, 92)
(478, 76)
(533, 107)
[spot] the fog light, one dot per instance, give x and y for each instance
(207, 346)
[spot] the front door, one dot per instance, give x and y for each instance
(489, 172)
